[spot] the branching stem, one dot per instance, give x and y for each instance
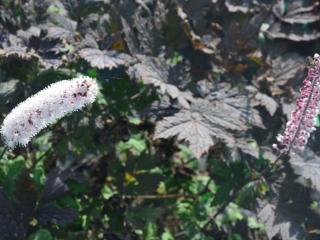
(235, 193)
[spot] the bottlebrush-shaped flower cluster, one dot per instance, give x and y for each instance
(46, 107)
(301, 124)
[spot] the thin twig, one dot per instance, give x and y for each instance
(205, 189)
(230, 199)
(272, 165)
(155, 197)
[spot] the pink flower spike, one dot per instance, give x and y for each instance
(301, 123)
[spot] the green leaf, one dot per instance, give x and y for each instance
(150, 232)
(39, 173)
(136, 145)
(107, 192)
(161, 189)
(233, 213)
(9, 172)
(317, 121)
(174, 59)
(254, 224)
(166, 235)
(92, 72)
(235, 237)
(139, 216)
(101, 100)
(41, 234)
(135, 120)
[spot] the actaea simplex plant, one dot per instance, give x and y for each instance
(61, 98)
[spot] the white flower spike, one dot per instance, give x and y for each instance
(46, 107)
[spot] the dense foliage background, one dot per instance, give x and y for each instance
(178, 144)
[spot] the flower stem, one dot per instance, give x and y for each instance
(3, 152)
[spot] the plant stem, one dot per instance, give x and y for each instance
(3, 152)
(235, 193)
